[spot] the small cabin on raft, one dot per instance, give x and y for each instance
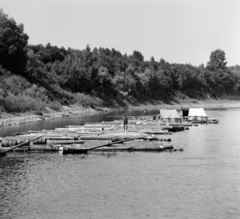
(170, 116)
(195, 115)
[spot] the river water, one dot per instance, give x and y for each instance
(203, 181)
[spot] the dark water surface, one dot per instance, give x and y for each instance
(201, 182)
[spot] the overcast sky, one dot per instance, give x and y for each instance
(179, 31)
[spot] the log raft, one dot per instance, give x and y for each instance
(81, 138)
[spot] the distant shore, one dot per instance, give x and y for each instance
(7, 119)
(206, 104)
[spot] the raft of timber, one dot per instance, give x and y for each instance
(112, 147)
(108, 136)
(149, 148)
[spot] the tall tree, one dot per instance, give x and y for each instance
(13, 42)
(217, 60)
(137, 55)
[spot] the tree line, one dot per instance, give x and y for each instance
(95, 76)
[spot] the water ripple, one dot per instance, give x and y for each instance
(201, 182)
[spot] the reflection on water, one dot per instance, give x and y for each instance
(201, 182)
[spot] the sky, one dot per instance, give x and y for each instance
(178, 31)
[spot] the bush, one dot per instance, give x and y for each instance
(54, 105)
(87, 100)
(22, 103)
(2, 98)
(14, 84)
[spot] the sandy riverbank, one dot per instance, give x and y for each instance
(11, 119)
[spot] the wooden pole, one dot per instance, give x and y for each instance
(116, 142)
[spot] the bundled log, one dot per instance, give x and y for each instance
(3, 152)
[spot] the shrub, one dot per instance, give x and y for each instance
(87, 100)
(2, 94)
(37, 92)
(22, 103)
(54, 105)
(15, 84)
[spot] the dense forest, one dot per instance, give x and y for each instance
(34, 77)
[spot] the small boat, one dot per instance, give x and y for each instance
(213, 121)
(176, 129)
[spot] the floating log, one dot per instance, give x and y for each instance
(43, 148)
(76, 150)
(40, 141)
(110, 147)
(81, 129)
(89, 133)
(65, 142)
(19, 149)
(181, 124)
(157, 132)
(150, 138)
(60, 138)
(142, 148)
(3, 152)
(95, 138)
(116, 142)
(14, 142)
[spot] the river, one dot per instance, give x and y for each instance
(203, 181)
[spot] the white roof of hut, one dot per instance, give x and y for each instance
(169, 114)
(197, 112)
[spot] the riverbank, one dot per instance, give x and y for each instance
(206, 104)
(7, 119)
(67, 111)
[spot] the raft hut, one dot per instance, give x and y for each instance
(197, 115)
(172, 120)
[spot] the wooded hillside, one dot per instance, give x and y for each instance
(33, 77)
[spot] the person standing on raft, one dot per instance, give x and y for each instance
(0, 144)
(125, 123)
(145, 112)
